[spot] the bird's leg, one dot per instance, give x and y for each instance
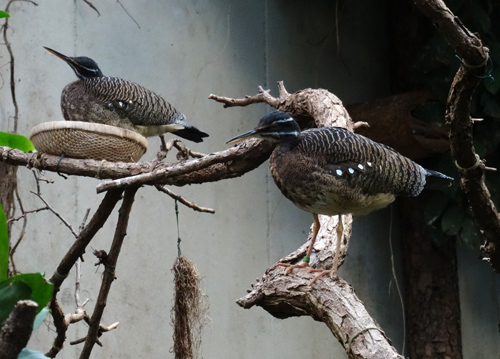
(163, 146)
(335, 265)
(306, 259)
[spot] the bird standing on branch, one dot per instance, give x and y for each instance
(118, 102)
(332, 171)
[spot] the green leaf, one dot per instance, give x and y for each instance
(470, 234)
(40, 317)
(10, 294)
(41, 289)
(4, 246)
(451, 223)
(4, 14)
(31, 354)
(435, 207)
(16, 141)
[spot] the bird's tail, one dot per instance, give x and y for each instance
(190, 133)
(436, 180)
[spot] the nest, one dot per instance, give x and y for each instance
(89, 141)
(190, 311)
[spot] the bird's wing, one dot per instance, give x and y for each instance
(133, 101)
(368, 165)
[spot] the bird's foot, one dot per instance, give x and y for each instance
(304, 264)
(322, 273)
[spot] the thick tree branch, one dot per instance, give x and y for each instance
(230, 163)
(17, 328)
(474, 67)
(331, 301)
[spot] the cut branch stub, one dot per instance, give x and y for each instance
(309, 107)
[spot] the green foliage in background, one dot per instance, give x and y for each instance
(16, 141)
(434, 68)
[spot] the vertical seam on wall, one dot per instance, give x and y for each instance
(75, 31)
(267, 181)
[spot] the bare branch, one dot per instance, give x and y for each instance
(184, 201)
(109, 272)
(92, 6)
(57, 214)
(264, 96)
(474, 66)
(78, 248)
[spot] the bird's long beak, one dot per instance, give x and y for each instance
(65, 58)
(241, 137)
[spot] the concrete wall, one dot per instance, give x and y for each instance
(185, 50)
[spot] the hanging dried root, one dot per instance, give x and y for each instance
(190, 311)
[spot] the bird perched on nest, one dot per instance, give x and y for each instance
(118, 102)
(332, 171)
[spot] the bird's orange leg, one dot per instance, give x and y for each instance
(305, 260)
(333, 270)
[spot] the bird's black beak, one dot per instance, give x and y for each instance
(242, 137)
(65, 58)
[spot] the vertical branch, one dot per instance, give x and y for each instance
(109, 272)
(475, 58)
(5, 27)
(78, 248)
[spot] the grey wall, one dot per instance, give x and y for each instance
(185, 50)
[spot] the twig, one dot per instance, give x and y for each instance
(21, 235)
(78, 248)
(57, 214)
(92, 6)
(23, 216)
(102, 329)
(109, 272)
(126, 11)
(264, 96)
(5, 27)
(84, 220)
(184, 201)
(184, 152)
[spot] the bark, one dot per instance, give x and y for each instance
(329, 300)
(432, 298)
(17, 328)
(474, 57)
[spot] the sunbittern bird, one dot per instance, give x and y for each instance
(118, 102)
(332, 171)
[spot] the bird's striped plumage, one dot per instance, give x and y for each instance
(332, 171)
(119, 102)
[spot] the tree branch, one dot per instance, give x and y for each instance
(17, 328)
(474, 67)
(109, 272)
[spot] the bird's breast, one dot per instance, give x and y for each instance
(305, 180)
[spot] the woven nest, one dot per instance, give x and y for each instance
(88, 140)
